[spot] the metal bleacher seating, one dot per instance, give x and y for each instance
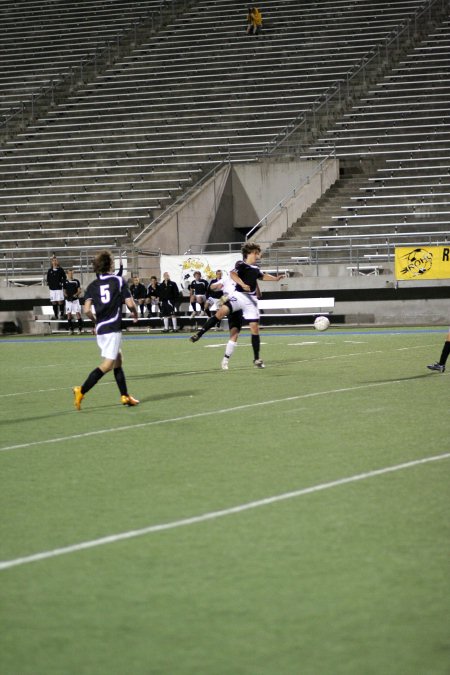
(103, 163)
(399, 135)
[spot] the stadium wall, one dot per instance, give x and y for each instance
(236, 198)
(359, 301)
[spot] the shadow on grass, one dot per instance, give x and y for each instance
(92, 408)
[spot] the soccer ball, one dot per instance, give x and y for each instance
(321, 323)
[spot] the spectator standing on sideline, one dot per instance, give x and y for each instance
(254, 20)
(106, 294)
(138, 293)
(72, 292)
(245, 275)
(168, 294)
(152, 296)
(55, 281)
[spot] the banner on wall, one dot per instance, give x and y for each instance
(181, 268)
(425, 262)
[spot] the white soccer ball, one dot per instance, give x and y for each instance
(321, 323)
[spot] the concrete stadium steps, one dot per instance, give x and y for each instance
(197, 93)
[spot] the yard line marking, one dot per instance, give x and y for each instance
(197, 372)
(214, 515)
(206, 413)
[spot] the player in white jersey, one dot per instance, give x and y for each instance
(244, 298)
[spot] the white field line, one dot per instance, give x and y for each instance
(197, 372)
(206, 413)
(214, 515)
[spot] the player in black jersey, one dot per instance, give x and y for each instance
(245, 275)
(139, 293)
(198, 289)
(72, 292)
(106, 294)
(152, 297)
(168, 294)
(55, 281)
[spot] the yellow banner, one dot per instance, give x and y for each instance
(424, 262)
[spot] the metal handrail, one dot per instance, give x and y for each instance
(292, 193)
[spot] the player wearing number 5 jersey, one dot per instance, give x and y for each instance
(106, 295)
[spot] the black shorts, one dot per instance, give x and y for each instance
(167, 308)
(235, 320)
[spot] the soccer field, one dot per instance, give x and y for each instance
(285, 521)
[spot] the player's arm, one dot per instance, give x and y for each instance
(87, 307)
(237, 280)
(216, 287)
(271, 277)
(132, 307)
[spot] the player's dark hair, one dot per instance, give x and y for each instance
(103, 262)
(250, 248)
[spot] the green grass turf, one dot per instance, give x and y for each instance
(349, 580)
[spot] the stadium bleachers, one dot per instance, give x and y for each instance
(126, 145)
(399, 131)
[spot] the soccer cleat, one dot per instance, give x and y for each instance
(224, 363)
(78, 397)
(195, 338)
(129, 400)
(259, 363)
(437, 367)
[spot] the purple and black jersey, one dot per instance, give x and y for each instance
(198, 287)
(71, 287)
(108, 292)
(249, 274)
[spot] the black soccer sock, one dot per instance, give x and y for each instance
(70, 323)
(55, 311)
(210, 323)
(121, 382)
(61, 311)
(92, 380)
(255, 344)
(445, 353)
(142, 308)
(80, 324)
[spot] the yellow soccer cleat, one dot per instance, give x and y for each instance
(78, 397)
(129, 400)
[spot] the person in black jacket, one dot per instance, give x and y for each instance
(56, 278)
(138, 293)
(168, 294)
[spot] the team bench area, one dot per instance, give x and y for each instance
(274, 311)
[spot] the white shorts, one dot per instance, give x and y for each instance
(212, 304)
(56, 296)
(109, 344)
(73, 307)
(248, 304)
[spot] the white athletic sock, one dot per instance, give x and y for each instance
(229, 349)
(166, 323)
(174, 322)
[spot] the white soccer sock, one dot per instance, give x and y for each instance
(174, 322)
(166, 323)
(229, 349)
